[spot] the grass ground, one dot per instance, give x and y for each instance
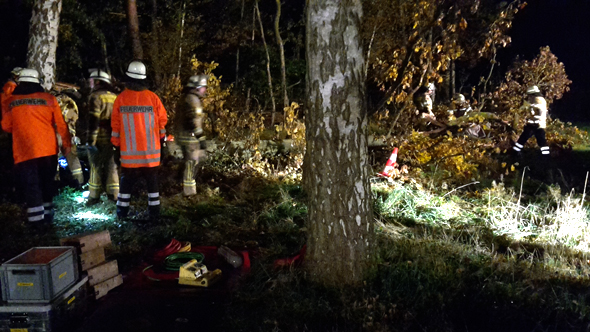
(511, 256)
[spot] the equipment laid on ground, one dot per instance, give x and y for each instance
(102, 275)
(194, 273)
(57, 316)
(39, 275)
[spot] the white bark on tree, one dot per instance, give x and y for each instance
(336, 168)
(43, 33)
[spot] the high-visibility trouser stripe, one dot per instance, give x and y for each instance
(545, 150)
(123, 199)
(48, 207)
(76, 171)
(113, 186)
(518, 146)
(189, 183)
(35, 213)
(94, 186)
(153, 199)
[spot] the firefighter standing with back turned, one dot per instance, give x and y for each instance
(188, 125)
(33, 117)
(138, 123)
(101, 155)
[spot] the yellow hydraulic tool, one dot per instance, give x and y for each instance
(194, 273)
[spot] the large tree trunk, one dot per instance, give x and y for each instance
(133, 27)
(336, 171)
(43, 35)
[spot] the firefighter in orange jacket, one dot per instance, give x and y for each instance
(138, 128)
(32, 117)
(7, 90)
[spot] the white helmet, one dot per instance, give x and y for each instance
(100, 75)
(197, 81)
(136, 70)
(459, 98)
(533, 89)
(28, 75)
(16, 70)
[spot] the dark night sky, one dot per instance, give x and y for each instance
(563, 25)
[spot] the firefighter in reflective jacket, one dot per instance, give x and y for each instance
(188, 125)
(102, 162)
(69, 111)
(32, 117)
(7, 90)
(138, 128)
(536, 108)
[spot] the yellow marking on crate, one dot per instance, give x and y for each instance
(62, 275)
(25, 284)
(71, 300)
(19, 330)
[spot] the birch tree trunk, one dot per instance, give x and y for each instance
(133, 27)
(336, 170)
(43, 34)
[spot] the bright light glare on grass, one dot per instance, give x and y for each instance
(554, 219)
(91, 215)
(80, 199)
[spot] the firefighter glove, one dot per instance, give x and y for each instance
(117, 155)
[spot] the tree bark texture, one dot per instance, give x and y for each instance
(133, 27)
(336, 168)
(43, 34)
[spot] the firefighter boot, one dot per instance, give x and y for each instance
(123, 205)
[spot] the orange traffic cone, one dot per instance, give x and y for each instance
(390, 166)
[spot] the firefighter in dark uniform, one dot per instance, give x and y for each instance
(188, 125)
(33, 116)
(103, 169)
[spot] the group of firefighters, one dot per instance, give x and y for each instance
(535, 106)
(126, 132)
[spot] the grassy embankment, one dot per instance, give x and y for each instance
(511, 257)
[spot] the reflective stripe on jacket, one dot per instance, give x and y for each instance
(69, 110)
(138, 122)
(100, 112)
(538, 111)
(32, 119)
